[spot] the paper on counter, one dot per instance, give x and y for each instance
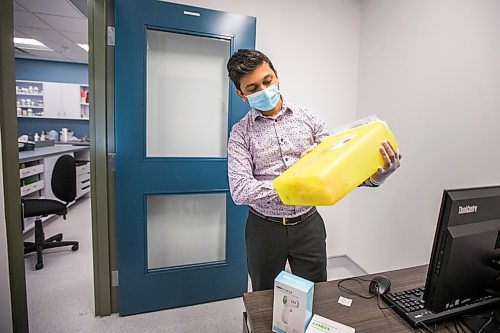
(320, 324)
(345, 301)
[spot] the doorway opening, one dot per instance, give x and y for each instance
(53, 112)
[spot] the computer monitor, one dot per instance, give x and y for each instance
(465, 261)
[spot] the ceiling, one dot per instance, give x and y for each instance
(59, 24)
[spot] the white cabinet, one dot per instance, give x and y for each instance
(70, 101)
(32, 184)
(52, 99)
(62, 100)
(82, 160)
(31, 177)
(82, 178)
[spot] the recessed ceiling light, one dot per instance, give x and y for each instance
(84, 46)
(30, 44)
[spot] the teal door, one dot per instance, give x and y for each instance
(180, 236)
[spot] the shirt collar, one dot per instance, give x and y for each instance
(284, 107)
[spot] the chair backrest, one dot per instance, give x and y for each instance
(63, 180)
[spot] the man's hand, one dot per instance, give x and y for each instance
(308, 150)
(391, 163)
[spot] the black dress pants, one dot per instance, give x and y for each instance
(269, 244)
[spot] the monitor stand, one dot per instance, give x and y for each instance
(476, 321)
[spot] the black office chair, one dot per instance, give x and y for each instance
(63, 184)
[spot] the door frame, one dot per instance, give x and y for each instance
(102, 148)
(10, 167)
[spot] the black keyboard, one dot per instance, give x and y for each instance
(409, 304)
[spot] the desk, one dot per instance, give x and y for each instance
(364, 314)
(43, 152)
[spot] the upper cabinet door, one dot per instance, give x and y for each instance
(62, 100)
(70, 100)
(52, 92)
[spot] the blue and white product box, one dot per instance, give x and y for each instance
(293, 301)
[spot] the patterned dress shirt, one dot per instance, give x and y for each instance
(261, 148)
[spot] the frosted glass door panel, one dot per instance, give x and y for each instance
(186, 229)
(187, 95)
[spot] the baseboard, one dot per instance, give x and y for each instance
(347, 261)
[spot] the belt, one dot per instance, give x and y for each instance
(286, 220)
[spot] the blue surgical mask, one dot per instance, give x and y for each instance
(266, 99)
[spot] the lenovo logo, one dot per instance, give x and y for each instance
(467, 209)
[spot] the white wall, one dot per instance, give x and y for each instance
(5, 301)
(432, 70)
(314, 45)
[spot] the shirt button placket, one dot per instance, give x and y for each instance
(281, 143)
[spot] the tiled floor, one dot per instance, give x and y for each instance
(61, 299)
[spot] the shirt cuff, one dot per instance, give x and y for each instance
(369, 183)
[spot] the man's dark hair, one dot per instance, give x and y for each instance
(244, 62)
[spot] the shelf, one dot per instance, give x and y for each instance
(28, 94)
(30, 81)
(59, 118)
(50, 99)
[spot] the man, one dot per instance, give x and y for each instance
(271, 137)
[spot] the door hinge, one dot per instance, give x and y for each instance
(114, 279)
(112, 161)
(111, 36)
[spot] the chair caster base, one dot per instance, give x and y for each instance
(39, 265)
(74, 248)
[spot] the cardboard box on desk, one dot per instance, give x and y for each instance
(335, 167)
(292, 307)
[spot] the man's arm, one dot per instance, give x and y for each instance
(320, 132)
(245, 189)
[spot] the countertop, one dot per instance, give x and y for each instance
(41, 152)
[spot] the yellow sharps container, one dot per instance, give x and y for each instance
(335, 167)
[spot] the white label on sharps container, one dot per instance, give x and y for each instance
(342, 142)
